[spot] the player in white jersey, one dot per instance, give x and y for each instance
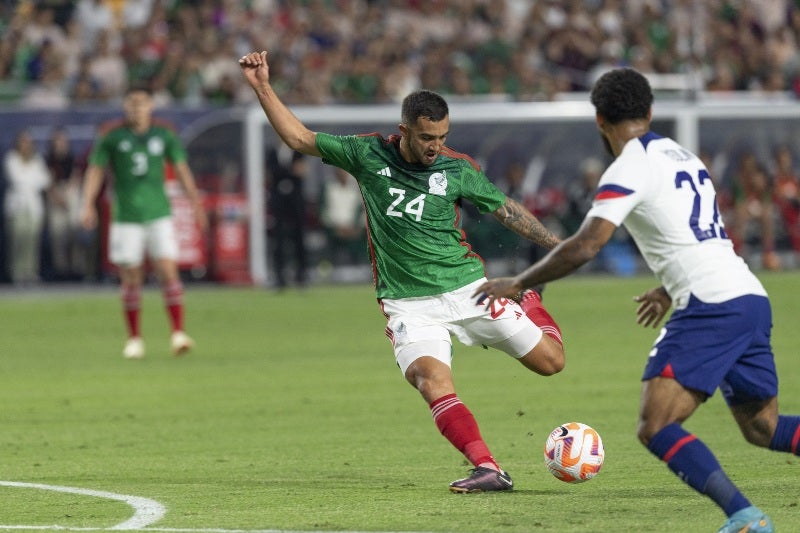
(664, 196)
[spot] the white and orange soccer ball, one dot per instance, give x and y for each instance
(574, 452)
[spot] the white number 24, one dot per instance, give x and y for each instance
(413, 208)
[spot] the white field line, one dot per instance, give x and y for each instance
(146, 512)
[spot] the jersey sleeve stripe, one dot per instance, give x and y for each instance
(607, 192)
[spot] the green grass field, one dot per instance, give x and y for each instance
(291, 415)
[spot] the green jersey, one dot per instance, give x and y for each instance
(413, 215)
(138, 164)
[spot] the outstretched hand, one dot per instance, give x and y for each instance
(653, 305)
(496, 288)
(255, 68)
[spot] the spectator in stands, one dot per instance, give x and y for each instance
(335, 53)
(342, 217)
(107, 66)
(47, 92)
(84, 87)
(753, 223)
(27, 179)
(95, 16)
(42, 28)
(216, 70)
(786, 195)
(580, 194)
(286, 171)
(619, 254)
(520, 251)
(63, 209)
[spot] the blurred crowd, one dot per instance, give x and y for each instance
(57, 53)
(61, 54)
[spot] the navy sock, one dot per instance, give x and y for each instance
(787, 435)
(691, 460)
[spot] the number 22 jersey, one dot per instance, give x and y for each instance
(664, 196)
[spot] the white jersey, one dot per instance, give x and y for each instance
(664, 196)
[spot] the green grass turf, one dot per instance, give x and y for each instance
(291, 414)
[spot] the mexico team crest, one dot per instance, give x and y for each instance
(155, 146)
(437, 183)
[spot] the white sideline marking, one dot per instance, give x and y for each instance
(146, 511)
(181, 530)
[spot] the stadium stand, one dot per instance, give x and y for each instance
(370, 51)
(62, 56)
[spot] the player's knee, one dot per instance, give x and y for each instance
(430, 377)
(546, 359)
(757, 421)
(555, 362)
(645, 431)
(758, 432)
(644, 435)
(556, 359)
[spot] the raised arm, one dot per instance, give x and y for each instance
(515, 217)
(288, 127)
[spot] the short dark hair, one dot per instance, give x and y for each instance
(622, 94)
(423, 103)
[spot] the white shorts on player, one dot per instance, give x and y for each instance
(425, 326)
(129, 243)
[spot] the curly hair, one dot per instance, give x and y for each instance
(424, 103)
(622, 94)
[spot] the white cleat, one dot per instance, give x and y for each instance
(134, 348)
(180, 343)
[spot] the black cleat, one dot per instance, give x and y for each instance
(482, 479)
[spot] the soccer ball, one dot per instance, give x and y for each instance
(574, 452)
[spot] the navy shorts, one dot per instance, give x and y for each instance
(725, 345)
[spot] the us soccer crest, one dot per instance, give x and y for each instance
(437, 184)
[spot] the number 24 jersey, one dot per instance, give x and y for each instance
(413, 213)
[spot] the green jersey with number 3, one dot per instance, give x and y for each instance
(138, 165)
(413, 215)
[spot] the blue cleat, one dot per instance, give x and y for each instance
(750, 519)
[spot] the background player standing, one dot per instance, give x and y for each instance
(719, 334)
(137, 151)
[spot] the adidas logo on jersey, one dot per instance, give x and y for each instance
(385, 172)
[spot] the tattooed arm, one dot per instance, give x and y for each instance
(515, 217)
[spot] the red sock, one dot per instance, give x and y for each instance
(532, 305)
(173, 299)
(131, 296)
(458, 426)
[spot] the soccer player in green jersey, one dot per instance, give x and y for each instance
(137, 151)
(424, 270)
